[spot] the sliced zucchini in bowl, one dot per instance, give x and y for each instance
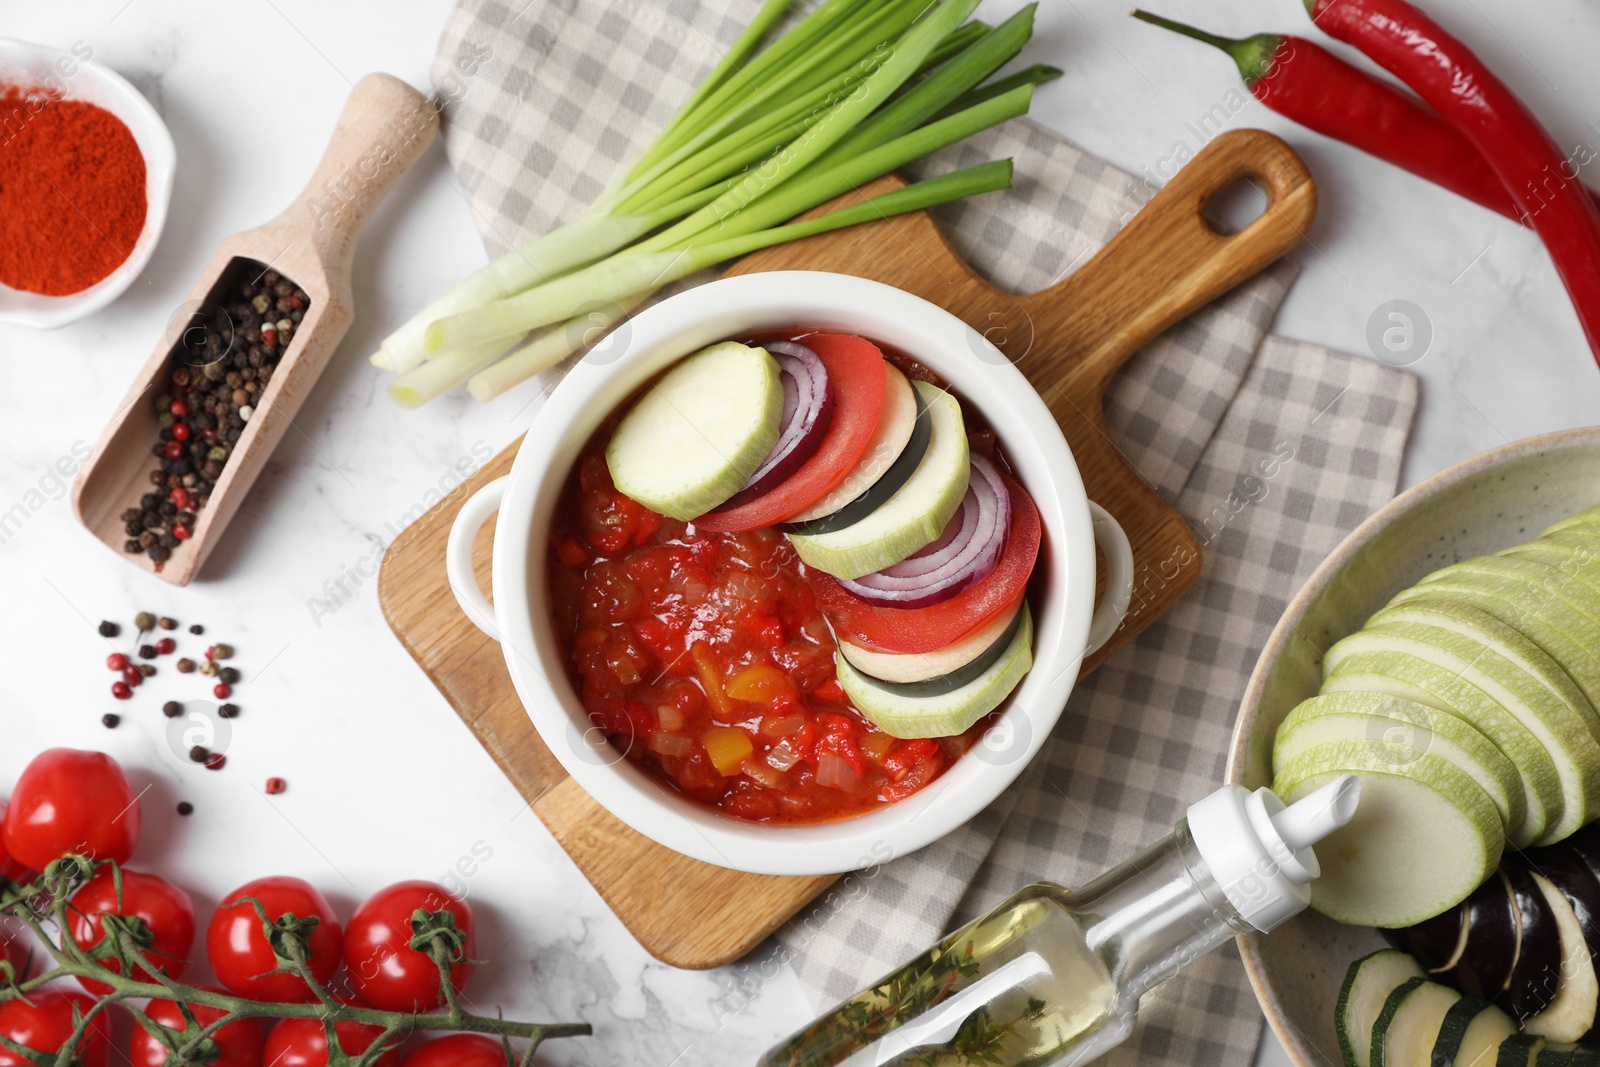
(912, 517)
(1408, 1024)
(940, 663)
(1422, 840)
(1400, 673)
(1367, 985)
(698, 434)
(1400, 731)
(1518, 1050)
(942, 707)
(1471, 1032)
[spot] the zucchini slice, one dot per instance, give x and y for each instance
(1367, 985)
(1471, 1032)
(1409, 1023)
(1518, 1050)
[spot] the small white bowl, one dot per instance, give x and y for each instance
(1481, 505)
(28, 65)
(642, 347)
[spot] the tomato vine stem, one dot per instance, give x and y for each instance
(43, 906)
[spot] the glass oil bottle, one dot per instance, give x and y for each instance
(1054, 976)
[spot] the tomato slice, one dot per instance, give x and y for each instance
(926, 629)
(855, 368)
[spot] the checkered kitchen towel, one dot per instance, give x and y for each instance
(1273, 450)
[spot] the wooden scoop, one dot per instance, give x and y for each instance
(385, 126)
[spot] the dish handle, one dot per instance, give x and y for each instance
(1113, 541)
(458, 555)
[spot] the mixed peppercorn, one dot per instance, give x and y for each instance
(219, 371)
(130, 675)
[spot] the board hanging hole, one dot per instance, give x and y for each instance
(1234, 206)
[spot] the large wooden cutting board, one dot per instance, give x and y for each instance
(1068, 340)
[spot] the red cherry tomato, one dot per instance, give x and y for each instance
(855, 368)
(238, 1043)
(304, 1042)
(239, 951)
(165, 909)
(457, 1050)
(384, 970)
(68, 800)
(45, 1025)
(9, 867)
(926, 629)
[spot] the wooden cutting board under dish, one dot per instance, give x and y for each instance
(1069, 340)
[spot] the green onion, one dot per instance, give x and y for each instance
(853, 91)
(541, 305)
(638, 271)
(438, 376)
(973, 64)
(550, 348)
(1037, 74)
(578, 243)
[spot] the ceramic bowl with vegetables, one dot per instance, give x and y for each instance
(794, 571)
(1448, 653)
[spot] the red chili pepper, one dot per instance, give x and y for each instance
(1303, 81)
(1466, 93)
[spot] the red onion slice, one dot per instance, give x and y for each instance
(807, 412)
(965, 552)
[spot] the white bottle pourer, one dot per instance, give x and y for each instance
(1259, 851)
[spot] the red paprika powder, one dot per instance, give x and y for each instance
(72, 196)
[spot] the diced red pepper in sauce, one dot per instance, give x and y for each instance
(685, 648)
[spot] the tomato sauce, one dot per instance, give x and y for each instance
(704, 658)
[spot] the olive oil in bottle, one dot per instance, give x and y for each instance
(1054, 976)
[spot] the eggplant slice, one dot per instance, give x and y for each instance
(1536, 972)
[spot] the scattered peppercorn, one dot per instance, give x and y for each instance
(185, 666)
(144, 621)
(172, 709)
(147, 651)
(215, 761)
(117, 661)
(208, 668)
(276, 786)
(228, 711)
(185, 808)
(109, 628)
(132, 675)
(165, 646)
(221, 691)
(197, 629)
(167, 622)
(217, 370)
(228, 675)
(110, 719)
(219, 651)
(120, 690)
(146, 669)
(199, 753)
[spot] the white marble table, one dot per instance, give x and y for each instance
(383, 782)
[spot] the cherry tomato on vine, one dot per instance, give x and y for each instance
(242, 956)
(304, 1042)
(9, 867)
(45, 1025)
(164, 908)
(69, 800)
(238, 1043)
(457, 1050)
(383, 968)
